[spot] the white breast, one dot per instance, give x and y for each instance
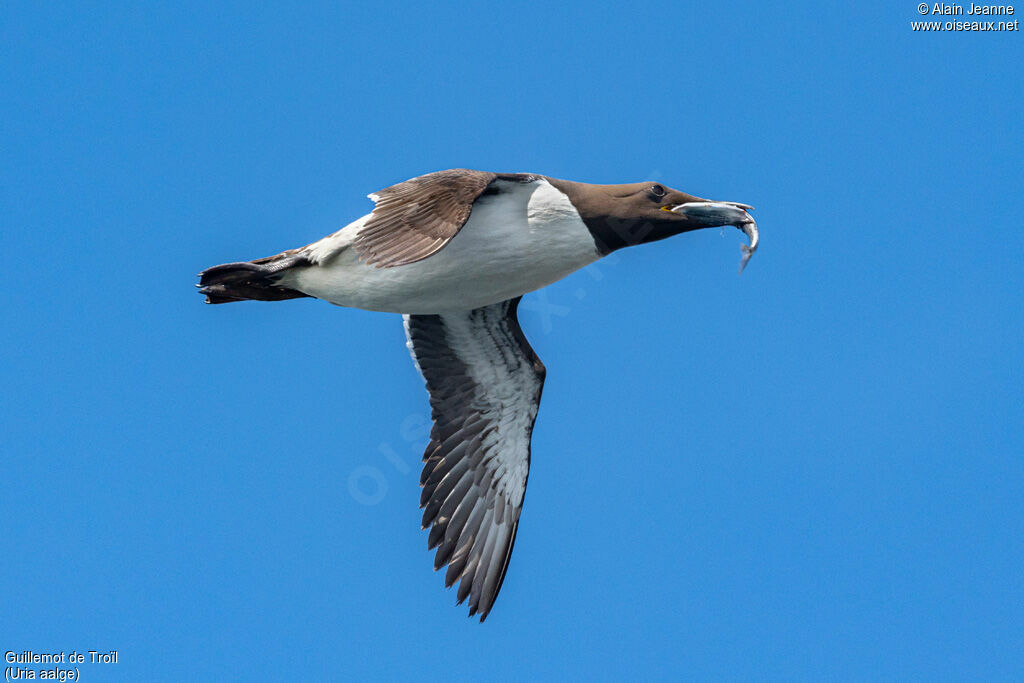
(525, 237)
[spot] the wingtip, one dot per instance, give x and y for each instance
(476, 612)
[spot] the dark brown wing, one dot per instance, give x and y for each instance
(485, 384)
(414, 219)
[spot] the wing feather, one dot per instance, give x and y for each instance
(418, 217)
(485, 384)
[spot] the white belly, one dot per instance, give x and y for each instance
(513, 243)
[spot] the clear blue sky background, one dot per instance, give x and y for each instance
(811, 471)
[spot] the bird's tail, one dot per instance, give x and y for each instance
(250, 280)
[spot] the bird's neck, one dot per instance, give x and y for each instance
(611, 231)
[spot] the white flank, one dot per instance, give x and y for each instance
(520, 240)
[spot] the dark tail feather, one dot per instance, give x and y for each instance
(248, 280)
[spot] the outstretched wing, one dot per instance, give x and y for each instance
(415, 219)
(485, 384)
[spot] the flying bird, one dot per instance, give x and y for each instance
(453, 252)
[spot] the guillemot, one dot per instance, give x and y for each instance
(454, 252)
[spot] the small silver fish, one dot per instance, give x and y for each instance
(726, 213)
(750, 230)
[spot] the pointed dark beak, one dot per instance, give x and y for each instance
(715, 214)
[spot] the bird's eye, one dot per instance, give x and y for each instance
(657, 191)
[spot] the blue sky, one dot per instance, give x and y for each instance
(813, 470)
